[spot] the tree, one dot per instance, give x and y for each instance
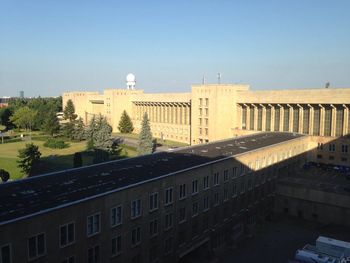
(24, 117)
(78, 133)
(125, 123)
(145, 138)
(5, 114)
(4, 175)
(28, 158)
(69, 111)
(77, 160)
(51, 124)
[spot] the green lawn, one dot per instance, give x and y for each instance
(51, 159)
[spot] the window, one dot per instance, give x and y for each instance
(216, 178)
(234, 172)
(241, 172)
(200, 111)
(168, 245)
(116, 245)
(206, 131)
(168, 196)
(225, 193)
(206, 121)
(182, 191)
(225, 175)
(200, 121)
(332, 147)
(136, 236)
(67, 234)
(168, 221)
(36, 246)
(200, 101)
(194, 209)
(242, 187)
(234, 189)
(93, 224)
(153, 201)
(195, 186)
(206, 102)
(206, 112)
(206, 182)
(70, 259)
(94, 254)
(200, 131)
(331, 157)
(182, 215)
(206, 203)
(344, 148)
(116, 216)
(319, 156)
(216, 199)
(5, 254)
(136, 208)
(153, 227)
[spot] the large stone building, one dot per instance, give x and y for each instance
(219, 111)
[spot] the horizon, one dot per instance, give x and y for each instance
(55, 47)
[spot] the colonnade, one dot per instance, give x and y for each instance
(163, 112)
(313, 119)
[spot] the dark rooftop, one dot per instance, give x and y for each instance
(36, 195)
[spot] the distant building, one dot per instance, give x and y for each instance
(21, 94)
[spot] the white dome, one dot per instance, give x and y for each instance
(130, 77)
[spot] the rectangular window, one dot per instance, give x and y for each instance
(206, 182)
(234, 172)
(194, 186)
(206, 203)
(206, 102)
(168, 196)
(182, 214)
(153, 201)
(168, 221)
(168, 245)
(36, 246)
(116, 216)
(216, 199)
(225, 193)
(94, 254)
(194, 209)
(216, 178)
(93, 224)
(67, 234)
(116, 245)
(344, 148)
(182, 191)
(206, 112)
(332, 147)
(5, 254)
(136, 208)
(200, 102)
(225, 175)
(200, 121)
(206, 121)
(234, 189)
(136, 236)
(153, 228)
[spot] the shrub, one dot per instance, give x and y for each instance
(55, 144)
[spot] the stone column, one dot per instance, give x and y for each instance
(281, 117)
(247, 117)
(333, 120)
(272, 128)
(311, 119)
(345, 119)
(301, 118)
(322, 113)
(255, 117)
(187, 114)
(291, 117)
(263, 117)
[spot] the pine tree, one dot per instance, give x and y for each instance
(145, 138)
(69, 111)
(51, 124)
(4, 175)
(125, 123)
(78, 132)
(28, 158)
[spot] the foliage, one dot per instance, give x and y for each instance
(77, 160)
(99, 133)
(145, 145)
(69, 111)
(24, 117)
(4, 175)
(55, 144)
(28, 158)
(51, 124)
(78, 132)
(125, 123)
(67, 130)
(5, 114)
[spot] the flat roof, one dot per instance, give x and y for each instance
(40, 194)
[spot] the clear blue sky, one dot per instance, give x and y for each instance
(49, 46)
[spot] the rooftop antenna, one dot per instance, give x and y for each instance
(327, 85)
(203, 80)
(219, 78)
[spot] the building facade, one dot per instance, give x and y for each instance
(154, 208)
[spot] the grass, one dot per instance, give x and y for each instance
(51, 159)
